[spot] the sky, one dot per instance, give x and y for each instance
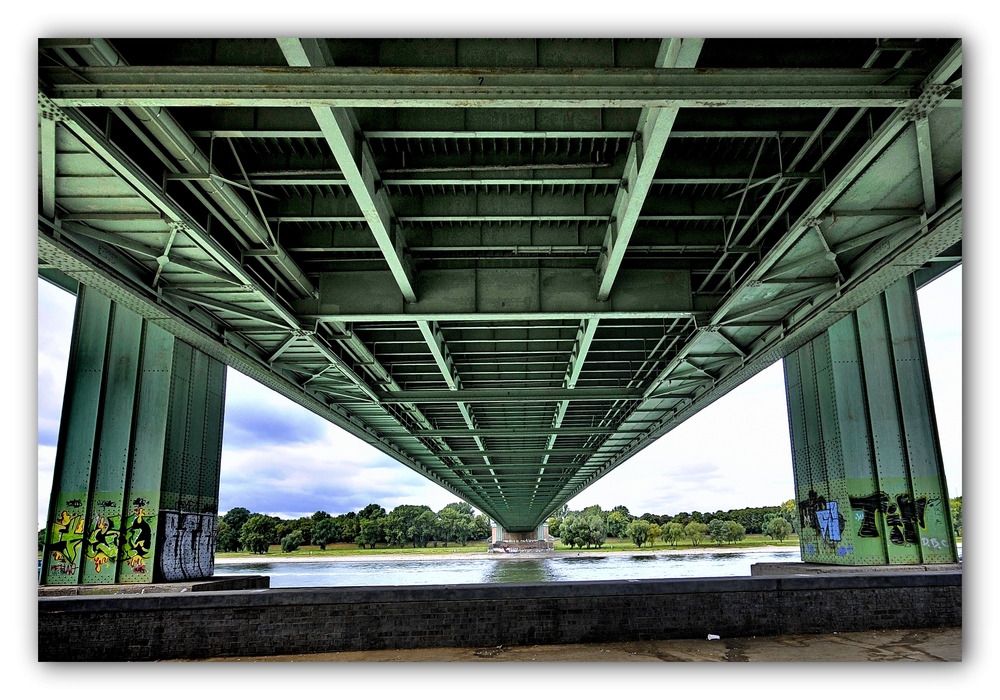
(280, 459)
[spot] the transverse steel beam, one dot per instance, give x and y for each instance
(237, 86)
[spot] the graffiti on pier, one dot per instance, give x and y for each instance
(904, 515)
(67, 534)
(188, 546)
(823, 516)
(138, 540)
(102, 542)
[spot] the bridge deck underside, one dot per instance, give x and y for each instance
(509, 264)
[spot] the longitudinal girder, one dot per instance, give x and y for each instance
(508, 264)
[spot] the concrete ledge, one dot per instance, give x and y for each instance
(292, 621)
(216, 583)
(800, 568)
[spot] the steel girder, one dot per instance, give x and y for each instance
(417, 255)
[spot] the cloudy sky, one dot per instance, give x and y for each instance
(280, 459)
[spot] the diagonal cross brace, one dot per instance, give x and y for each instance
(655, 125)
(436, 344)
(357, 165)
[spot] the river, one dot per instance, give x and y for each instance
(504, 568)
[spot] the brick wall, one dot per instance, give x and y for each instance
(287, 621)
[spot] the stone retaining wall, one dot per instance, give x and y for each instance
(291, 621)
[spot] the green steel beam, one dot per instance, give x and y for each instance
(641, 163)
(500, 294)
(340, 129)
(876, 146)
(510, 396)
(273, 86)
(434, 338)
(525, 432)
(187, 156)
(513, 134)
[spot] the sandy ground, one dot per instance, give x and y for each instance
(880, 645)
(459, 554)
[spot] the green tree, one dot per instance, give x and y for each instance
(789, 511)
(41, 539)
(555, 526)
(736, 531)
(326, 532)
(654, 533)
(371, 511)
(695, 532)
(618, 521)
(718, 531)
(454, 526)
(778, 529)
(596, 533)
(370, 532)
(236, 518)
(398, 524)
(423, 527)
(292, 541)
(574, 531)
(566, 531)
(672, 533)
(227, 539)
(320, 515)
(257, 533)
(638, 532)
(348, 527)
(956, 514)
(481, 528)
(461, 507)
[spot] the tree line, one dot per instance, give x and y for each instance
(457, 522)
(591, 526)
(239, 529)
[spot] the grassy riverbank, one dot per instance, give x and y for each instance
(612, 545)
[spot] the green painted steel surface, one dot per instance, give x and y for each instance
(869, 478)
(137, 466)
(469, 288)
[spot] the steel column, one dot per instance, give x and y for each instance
(135, 491)
(869, 477)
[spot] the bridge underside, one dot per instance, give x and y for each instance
(508, 264)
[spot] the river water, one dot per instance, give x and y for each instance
(504, 568)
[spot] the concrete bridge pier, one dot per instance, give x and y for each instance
(533, 540)
(136, 486)
(869, 477)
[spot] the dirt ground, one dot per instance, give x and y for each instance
(884, 645)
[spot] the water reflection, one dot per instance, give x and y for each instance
(503, 569)
(381, 572)
(526, 571)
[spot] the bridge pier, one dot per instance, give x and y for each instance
(869, 477)
(136, 485)
(533, 540)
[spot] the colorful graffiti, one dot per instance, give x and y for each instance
(822, 516)
(903, 515)
(102, 542)
(65, 539)
(138, 540)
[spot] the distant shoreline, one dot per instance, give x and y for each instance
(561, 553)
